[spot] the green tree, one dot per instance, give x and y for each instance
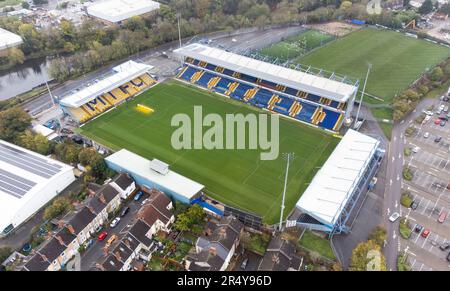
(35, 142)
(15, 56)
(367, 256)
(437, 74)
(426, 7)
(59, 206)
(12, 123)
(183, 222)
(67, 151)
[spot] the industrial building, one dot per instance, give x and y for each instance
(8, 40)
(155, 174)
(118, 11)
(28, 181)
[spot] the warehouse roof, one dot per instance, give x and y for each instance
(23, 174)
(119, 10)
(332, 186)
(9, 39)
(295, 79)
(172, 181)
(121, 74)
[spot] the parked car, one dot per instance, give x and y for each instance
(443, 118)
(444, 247)
(437, 121)
(415, 150)
(418, 228)
(114, 222)
(438, 139)
(446, 108)
(425, 233)
(89, 243)
(442, 217)
(426, 134)
(441, 107)
(145, 201)
(99, 228)
(124, 211)
(414, 205)
(448, 186)
(244, 264)
(443, 122)
(394, 217)
(448, 257)
(111, 239)
(102, 236)
(138, 196)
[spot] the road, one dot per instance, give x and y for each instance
(394, 184)
(239, 41)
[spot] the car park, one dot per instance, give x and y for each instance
(115, 222)
(102, 236)
(394, 217)
(425, 233)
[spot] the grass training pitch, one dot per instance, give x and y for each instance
(235, 177)
(397, 60)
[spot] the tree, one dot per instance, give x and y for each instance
(67, 151)
(34, 142)
(25, 5)
(193, 216)
(15, 56)
(183, 223)
(59, 206)
(90, 157)
(346, 5)
(426, 7)
(196, 213)
(5, 252)
(437, 74)
(12, 123)
(367, 256)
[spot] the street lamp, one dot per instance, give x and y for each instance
(288, 157)
(362, 94)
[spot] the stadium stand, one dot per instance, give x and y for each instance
(226, 73)
(125, 81)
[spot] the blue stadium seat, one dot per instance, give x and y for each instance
(334, 104)
(330, 120)
(210, 67)
(313, 98)
(188, 73)
(203, 81)
(291, 91)
(306, 112)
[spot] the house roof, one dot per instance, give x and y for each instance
(81, 219)
(66, 236)
(103, 197)
(122, 252)
(279, 256)
(37, 263)
(139, 230)
(112, 264)
(204, 258)
(123, 180)
(53, 249)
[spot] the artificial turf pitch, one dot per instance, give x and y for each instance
(397, 60)
(235, 177)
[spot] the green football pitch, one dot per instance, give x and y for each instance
(235, 177)
(397, 59)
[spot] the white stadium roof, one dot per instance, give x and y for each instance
(23, 176)
(328, 193)
(122, 74)
(9, 39)
(142, 167)
(320, 86)
(119, 10)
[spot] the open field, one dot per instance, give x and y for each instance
(397, 60)
(297, 45)
(4, 3)
(235, 177)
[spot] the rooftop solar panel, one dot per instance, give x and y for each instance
(28, 162)
(14, 185)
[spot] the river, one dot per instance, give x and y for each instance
(23, 78)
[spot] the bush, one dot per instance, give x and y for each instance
(405, 229)
(407, 174)
(419, 119)
(378, 235)
(406, 199)
(407, 151)
(59, 206)
(410, 131)
(402, 263)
